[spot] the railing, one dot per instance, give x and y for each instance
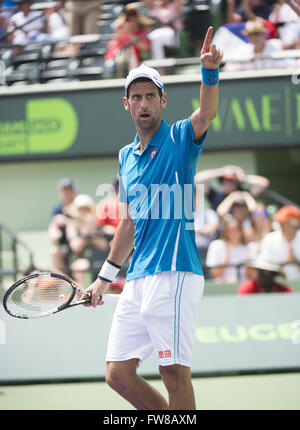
(194, 61)
(12, 249)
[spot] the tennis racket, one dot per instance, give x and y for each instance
(42, 294)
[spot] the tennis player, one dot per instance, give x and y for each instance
(164, 284)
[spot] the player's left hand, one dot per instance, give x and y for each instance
(210, 56)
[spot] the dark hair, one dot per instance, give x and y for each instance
(143, 80)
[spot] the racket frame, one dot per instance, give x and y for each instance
(64, 305)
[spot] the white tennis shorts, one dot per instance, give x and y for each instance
(156, 312)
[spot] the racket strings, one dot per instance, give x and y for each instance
(39, 295)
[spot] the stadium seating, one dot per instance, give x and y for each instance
(44, 62)
(41, 62)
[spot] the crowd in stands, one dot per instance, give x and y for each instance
(268, 31)
(253, 34)
(238, 238)
(236, 228)
(247, 237)
(23, 24)
(80, 233)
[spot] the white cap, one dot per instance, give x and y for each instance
(144, 72)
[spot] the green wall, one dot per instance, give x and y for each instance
(256, 110)
(29, 189)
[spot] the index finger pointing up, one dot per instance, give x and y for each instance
(207, 40)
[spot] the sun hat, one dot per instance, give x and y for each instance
(253, 27)
(81, 201)
(84, 201)
(263, 262)
(133, 9)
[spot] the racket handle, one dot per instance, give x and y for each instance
(107, 298)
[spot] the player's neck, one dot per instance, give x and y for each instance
(145, 135)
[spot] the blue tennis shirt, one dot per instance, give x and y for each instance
(158, 185)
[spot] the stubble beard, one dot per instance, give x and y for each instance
(147, 125)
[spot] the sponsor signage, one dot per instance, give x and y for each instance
(72, 122)
(255, 333)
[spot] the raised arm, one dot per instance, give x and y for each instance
(210, 59)
(231, 15)
(210, 174)
(257, 183)
(226, 205)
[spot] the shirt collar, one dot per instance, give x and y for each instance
(156, 140)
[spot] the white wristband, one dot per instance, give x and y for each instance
(109, 271)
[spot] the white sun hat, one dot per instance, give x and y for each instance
(262, 262)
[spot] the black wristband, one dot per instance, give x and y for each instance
(113, 264)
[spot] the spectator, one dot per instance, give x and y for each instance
(264, 282)
(288, 24)
(206, 227)
(166, 36)
(248, 10)
(227, 255)
(84, 16)
(240, 204)
(107, 211)
(261, 222)
(86, 240)
(60, 216)
(231, 178)
(7, 9)
(283, 245)
(32, 23)
(261, 226)
(128, 27)
(56, 26)
(257, 54)
(62, 10)
(116, 287)
(3, 25)
(206, 230)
